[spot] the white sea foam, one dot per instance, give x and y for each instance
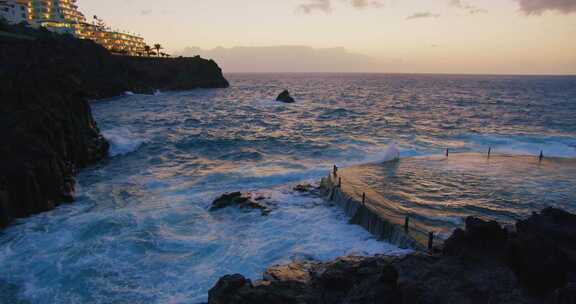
(129, 93)
(122, 141)
(173, 252)
(392, 153)
(555, 146)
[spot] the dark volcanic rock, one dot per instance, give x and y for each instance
(479, 237)
(285, 97)
(48, 133)
(243, 201)
(474, 269)
(566, 295)
(97, 73)
(543, 253)
(303, 188)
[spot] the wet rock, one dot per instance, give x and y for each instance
(238, 290)
(285, 97)
(297, 272)
(240, 200)
(303, 188)
(566, 295)
(346, 280)
(543, 254)
(479, 237)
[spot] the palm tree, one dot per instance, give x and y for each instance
(158, 47)
(148, 50)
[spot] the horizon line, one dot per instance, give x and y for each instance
(413, 73)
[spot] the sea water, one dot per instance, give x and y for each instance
(141, 232)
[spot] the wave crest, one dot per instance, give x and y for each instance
(122, 141)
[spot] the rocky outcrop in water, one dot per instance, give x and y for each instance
(304, 188)
(482, 264)
(285, 97)
(47, 128)
(242, 201)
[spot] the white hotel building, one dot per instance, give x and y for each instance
(63, 16)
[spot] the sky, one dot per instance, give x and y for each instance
(388, 36)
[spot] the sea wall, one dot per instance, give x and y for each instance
(47, 128)
(385, 228)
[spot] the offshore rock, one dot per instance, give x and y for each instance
(477, 266)
(285, 97)
(306, 282)
(304, 188)
(243, 201)
(479, 237)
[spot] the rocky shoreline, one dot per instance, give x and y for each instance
(484, 263)
(45, 119)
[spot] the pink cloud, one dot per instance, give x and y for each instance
(537, 7)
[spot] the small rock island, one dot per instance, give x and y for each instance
(285, 97)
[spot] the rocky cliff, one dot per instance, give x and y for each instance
(47, 128)
(97, 73)
(484, 263)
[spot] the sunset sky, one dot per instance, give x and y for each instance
(409, 36)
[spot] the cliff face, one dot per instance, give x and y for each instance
(47, 127)
(48, 132)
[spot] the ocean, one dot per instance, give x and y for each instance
(141, 231)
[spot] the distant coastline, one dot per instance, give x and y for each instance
(400, 74)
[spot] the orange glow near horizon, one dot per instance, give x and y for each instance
(412, 36)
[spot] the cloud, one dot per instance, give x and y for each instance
(472, 10)
(326, 5)
(365, 3)
(316, 5)
(422, 15)
(537, 7)
(287, 59)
